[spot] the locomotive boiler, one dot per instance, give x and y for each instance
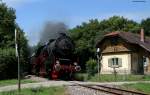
(56, 59)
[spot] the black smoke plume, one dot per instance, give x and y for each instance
(52, 30)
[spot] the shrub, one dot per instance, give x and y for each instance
(80, 76)
(8, 63)
(91, 67)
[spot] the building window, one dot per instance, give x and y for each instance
(114, 62)
(145, 61)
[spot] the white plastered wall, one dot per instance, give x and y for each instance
(126, 63)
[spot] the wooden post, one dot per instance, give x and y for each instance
(98, 61)
(17, 55)
(98, 68)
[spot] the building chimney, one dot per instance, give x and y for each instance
(142, 35)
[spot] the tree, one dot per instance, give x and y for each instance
(146, 25)
(23, 51)
(7, 26)
(117, 23)
(84, 37)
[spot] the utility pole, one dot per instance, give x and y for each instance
(17, 55)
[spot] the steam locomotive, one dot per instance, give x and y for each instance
(56, 59)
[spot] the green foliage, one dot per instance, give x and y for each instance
(8, 63)
(24, 51)
(117, 23)
(91, 67)
(146, 25)
(7, 26)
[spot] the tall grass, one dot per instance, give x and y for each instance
(38, 91)
(14, 81)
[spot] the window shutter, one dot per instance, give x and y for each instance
(110, 62)
(120, 62)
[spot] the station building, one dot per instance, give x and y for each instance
(126, 52)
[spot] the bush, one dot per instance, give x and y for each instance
(80, 76)
(91, 67)
(8, 63)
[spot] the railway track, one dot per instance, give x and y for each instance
(109, 90)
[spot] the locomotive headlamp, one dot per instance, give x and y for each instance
(98, 50)
(57, 62)
(57, 67)
(77, 68)
(75, 63)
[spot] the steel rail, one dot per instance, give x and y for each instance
(103, 90)
(122, 90)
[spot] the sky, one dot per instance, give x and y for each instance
(32, 14)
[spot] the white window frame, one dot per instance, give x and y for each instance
(115, 62)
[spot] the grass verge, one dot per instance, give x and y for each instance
(14, 81)
(111, 77)
(38, 91)
(143, 87)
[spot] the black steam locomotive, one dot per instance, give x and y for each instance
(56, 59)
